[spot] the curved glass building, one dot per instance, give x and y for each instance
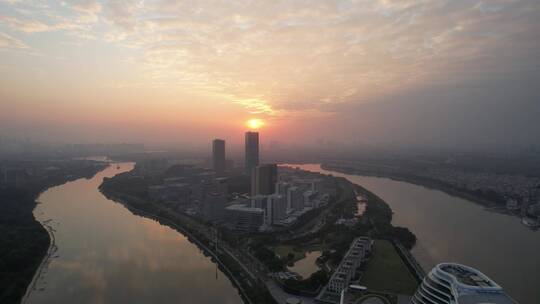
(450, 283)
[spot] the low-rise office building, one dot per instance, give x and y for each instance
(244, 218)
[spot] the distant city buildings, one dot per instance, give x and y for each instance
(282, 196)
(280, 207)
(516, 191)
(151, 166)
(18, 174)
(218, 156)
(459, 284)
(251, 151)
(276, 198)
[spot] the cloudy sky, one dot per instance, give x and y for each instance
(415, 72)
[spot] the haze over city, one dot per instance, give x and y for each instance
(269, 152)
(380, 72)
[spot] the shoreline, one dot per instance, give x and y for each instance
(214, 258)
(225, 258)
(433, 185)
(44, 262)
(52, 248)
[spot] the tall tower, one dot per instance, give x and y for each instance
(264, 179)
(218, 156)
(252, 151)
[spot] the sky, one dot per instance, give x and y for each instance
(379, 72)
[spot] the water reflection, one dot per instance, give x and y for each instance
(108, 255)
(306, 266)
(452, 229)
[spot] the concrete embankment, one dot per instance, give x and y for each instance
(410, 261)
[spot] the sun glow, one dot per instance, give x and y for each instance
(255, 123)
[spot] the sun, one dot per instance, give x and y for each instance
(255, 123)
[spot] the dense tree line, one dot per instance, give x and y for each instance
(269, 258)
(23, 241)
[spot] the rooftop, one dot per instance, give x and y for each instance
(473, 287)
(244, 208)
(468, 276)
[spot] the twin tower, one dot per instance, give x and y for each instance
(263, 178)
(252, 154)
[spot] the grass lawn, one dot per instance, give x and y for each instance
(386, 271)
(284, 250)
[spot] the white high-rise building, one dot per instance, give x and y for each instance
(450, 283)
(295, 200)
(279, 207)
(268, 211)
(309, 196)
(257, 201)
(274, 206)
(282, 187)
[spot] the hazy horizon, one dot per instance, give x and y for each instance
(387, 73)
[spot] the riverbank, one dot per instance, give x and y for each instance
(375, 221)
(44, 262)
(250, 287)
(24, 241)
(451, 228)
(428, 183)
(249, 259)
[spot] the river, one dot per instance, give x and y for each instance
(453, 229)
(105, 254)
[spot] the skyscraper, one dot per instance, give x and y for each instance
(218, 156)
(252, 151)
(264, 179)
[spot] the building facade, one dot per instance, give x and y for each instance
(252, 151)
(264, 179)
(346, 271)
(295, 199)
(218, 156)
(451, 283)
(243, 218)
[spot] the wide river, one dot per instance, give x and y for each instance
(452, 229)
(108, 255)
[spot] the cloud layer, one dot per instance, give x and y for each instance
(296, 58)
